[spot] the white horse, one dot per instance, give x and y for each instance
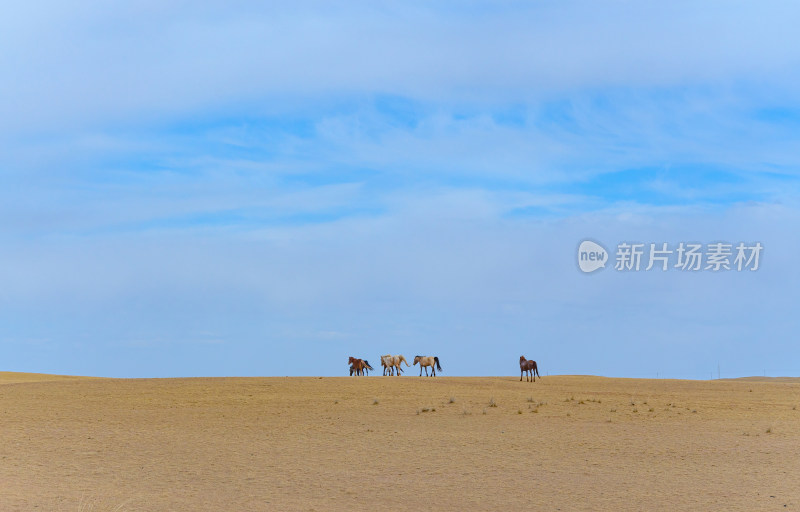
(391, 363)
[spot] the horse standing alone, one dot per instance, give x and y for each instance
(529, 366)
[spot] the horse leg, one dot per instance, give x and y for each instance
(520, 375)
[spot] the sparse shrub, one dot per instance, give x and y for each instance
(465, 412)
(769, 430)
(484, 411)
(492, 403)
(651, 410)
(581, 402)
(613, 409)
(519, 411)
(635, 409)
(375, 402)
(530, 399)
(535, 410)
(425, 409)
(452, 399)
(694, 410)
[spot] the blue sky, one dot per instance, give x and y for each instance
(250, 189)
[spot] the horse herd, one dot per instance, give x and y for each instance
(392, 365)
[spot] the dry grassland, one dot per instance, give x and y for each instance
(397, 443)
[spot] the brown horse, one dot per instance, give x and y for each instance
(528, 366)
(358, 366)
(427, 361)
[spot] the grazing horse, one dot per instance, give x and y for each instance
(529, 366)
(427, 361)
(359, 366)
(391, 362)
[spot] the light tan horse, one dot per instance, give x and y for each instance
(427, 361)
(391, 363)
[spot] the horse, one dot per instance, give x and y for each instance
(386, 362)
(529, 366)
(391, 362)
(358, 366)
(353, 369)
(426, 361)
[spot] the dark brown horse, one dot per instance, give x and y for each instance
(528, 366)
(358, 366)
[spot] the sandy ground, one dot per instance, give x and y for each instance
(563, 443)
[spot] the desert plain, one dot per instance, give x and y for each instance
(398, 443)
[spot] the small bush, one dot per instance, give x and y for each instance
(452, 399)
(492, 403)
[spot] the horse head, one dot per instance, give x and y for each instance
(416, 359)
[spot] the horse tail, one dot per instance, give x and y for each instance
(366, 363)
(436, 360)
(402, 358)
(536, 369)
